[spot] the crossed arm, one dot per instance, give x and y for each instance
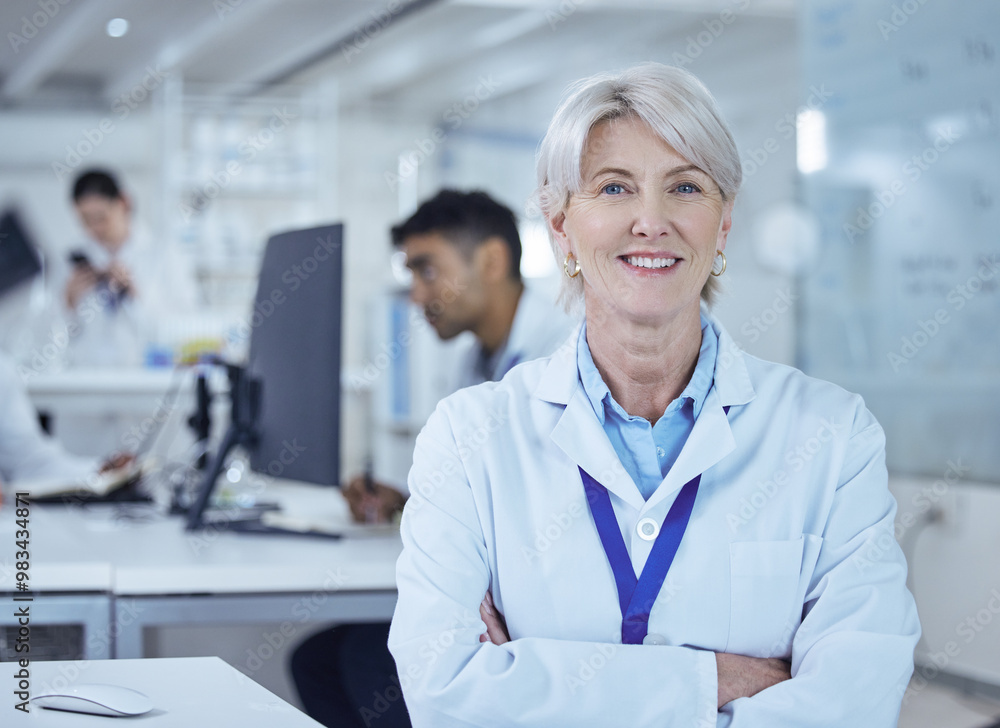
(851, 654)
(738, 676)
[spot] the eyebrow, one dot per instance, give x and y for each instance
(419, 261)
(625, 173)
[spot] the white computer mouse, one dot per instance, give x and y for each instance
(96, 699)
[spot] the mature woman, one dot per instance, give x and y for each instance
(676, 533)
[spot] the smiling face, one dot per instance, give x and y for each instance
(645, 226)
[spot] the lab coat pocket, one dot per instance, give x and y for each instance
(764, 612)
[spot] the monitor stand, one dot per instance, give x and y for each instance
(244, 394)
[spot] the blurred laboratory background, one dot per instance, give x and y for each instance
(864, 246)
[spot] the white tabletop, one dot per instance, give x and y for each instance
(186, 692)
(96, 549)
(101, 381)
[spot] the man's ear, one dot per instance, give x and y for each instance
(492, 257)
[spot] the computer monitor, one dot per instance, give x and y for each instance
(286, 401)
(19, 260)
(295, 354)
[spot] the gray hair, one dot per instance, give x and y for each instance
(675, 105)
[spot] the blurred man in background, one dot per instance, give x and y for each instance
(465, 254)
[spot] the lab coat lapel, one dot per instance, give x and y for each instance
(578, 432)
(711, 439)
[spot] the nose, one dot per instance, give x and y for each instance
(652, 218)
(418, 292)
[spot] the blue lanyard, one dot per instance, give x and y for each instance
(636, 596)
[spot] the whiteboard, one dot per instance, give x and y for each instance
(903, 305)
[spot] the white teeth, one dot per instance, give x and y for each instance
(651, 262)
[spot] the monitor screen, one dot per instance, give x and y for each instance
(18, 258)
(295, 346)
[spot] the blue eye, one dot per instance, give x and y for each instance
(687, 188)
(612, 189)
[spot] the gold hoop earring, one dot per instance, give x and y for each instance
(723, 268)
(576, 271)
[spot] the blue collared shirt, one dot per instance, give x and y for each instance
(646, 451)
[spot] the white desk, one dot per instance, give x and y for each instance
(156, 574)
(96, 411)
(186, 692)
(95, 390)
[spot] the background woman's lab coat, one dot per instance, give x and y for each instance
(119, 335)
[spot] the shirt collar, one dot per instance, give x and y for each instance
(695, 391)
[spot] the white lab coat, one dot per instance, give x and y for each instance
(106, 336)
(538, 328)
(26, 452)
(789, 553)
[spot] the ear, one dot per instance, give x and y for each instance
(127, 202)
(725, 225)
(493, 259)
(557, 226)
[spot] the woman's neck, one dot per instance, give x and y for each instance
(646, 367)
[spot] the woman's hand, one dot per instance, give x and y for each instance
(744, 677)
(120, 280)
(496, 626)
(81, 281)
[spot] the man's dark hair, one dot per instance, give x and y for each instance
(96, 182)
(466, 219)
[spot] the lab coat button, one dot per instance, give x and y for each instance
(654, 639)
(648, 529)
